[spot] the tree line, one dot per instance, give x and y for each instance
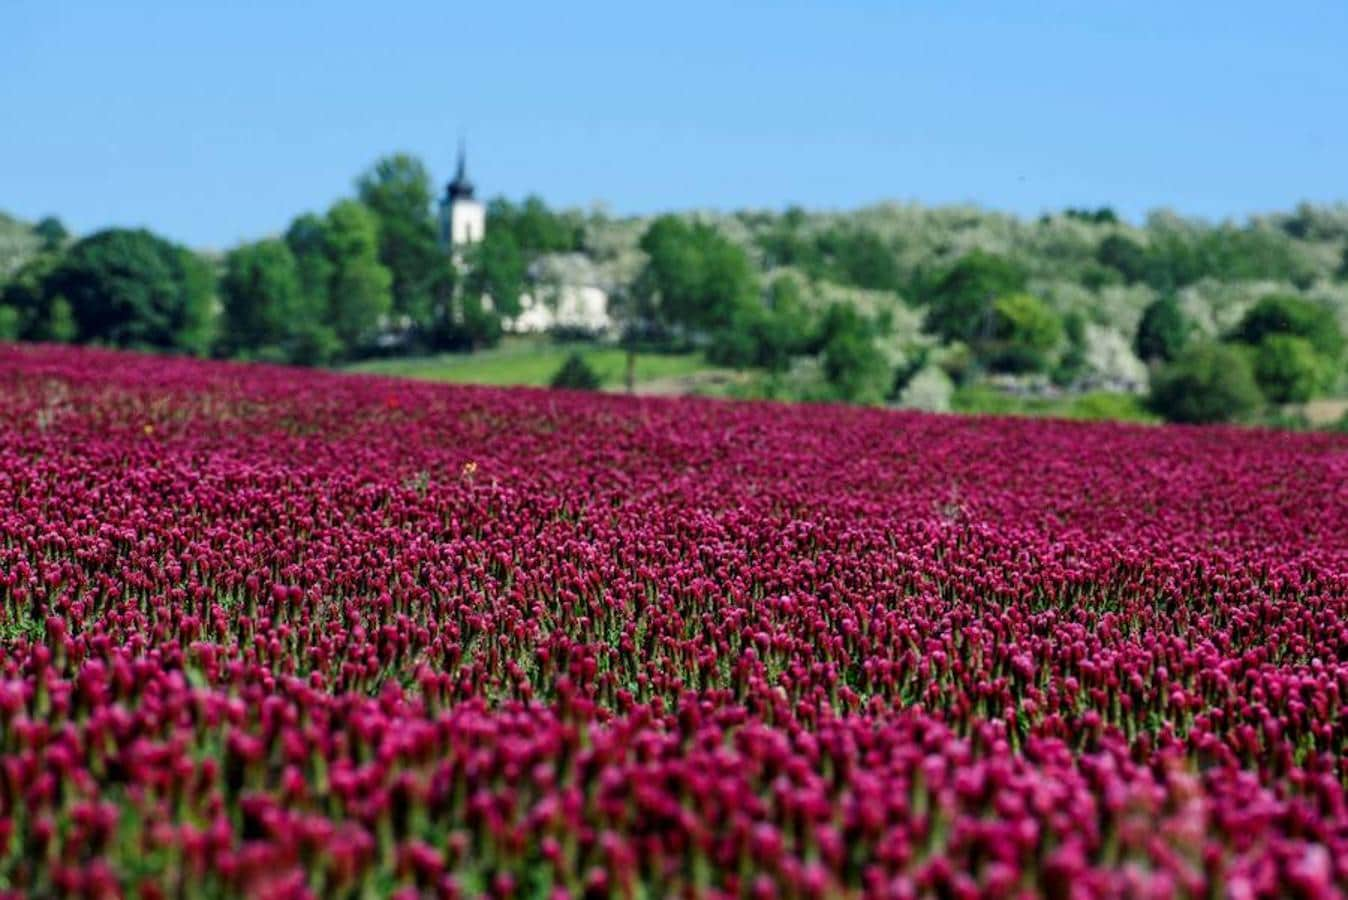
(328, 289)
(1226, 319)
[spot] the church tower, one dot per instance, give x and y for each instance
(462, 218)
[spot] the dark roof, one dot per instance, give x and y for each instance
(460, 188)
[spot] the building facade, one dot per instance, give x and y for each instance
(463, 220)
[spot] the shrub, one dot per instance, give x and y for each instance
(1287, 368)
(1026, 331)
(1163, 331)
(1289, 314)
(576, 374)
(1206, 383)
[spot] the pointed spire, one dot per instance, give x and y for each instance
(461, 187)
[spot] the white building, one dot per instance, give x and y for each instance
(463, 220)
(565, 292)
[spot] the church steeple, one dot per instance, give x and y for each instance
(463, 220)
(460, 188)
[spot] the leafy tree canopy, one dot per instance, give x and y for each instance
(1286, 314)
(1163, 330)
(1287, 368)
(853, 364)
(534, 227)
(360, 287)
(1206, 383)
(1025, 332)
(130, 288)
(960, 303)
(262, 297)
(694, 277)
(397, 189)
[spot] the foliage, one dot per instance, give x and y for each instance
(853, 364)
(359, 287)
(27, 294)
(1100, 216)
(261, 296)
(1163, 331)
(1072, 364)
(694, 278)
(1287, 368)
(576, 374)
(1181, 255)
(397, 189)
(52, 232)
(857, 256)
(767, 336)
(1206, 383)
(1124, 255)
(1292, 315)
(534, 228)
(960, 302)
(496, 270)
(1025, 331)
(130, 288)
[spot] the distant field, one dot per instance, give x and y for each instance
(527, 362)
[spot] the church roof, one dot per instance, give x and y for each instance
(460, 188)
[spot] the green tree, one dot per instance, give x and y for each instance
(1287, 368)
(853, 364)
(307, 239)
(535, 228)
(960, 303)
(786, 244)
(576, 374)
(497, 270)
(61, 326)
(1125, 256)
(1289, 314)
(1025, 332)
(397, 189)
(784, 330)
(262, 298)
(360, 288)
(52, 232)
(27, 294)
(1206, 383)
(694, 277)
(313, 339)
(860, 257)
(133, 289)
(1073, 361)
(765, 335)
(1163, 330)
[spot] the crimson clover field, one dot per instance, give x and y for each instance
(283, 633)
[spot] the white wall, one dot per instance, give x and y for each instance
(467, 222)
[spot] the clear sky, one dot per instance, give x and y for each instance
(217, 122)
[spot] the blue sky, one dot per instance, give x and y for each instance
(217, 122)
